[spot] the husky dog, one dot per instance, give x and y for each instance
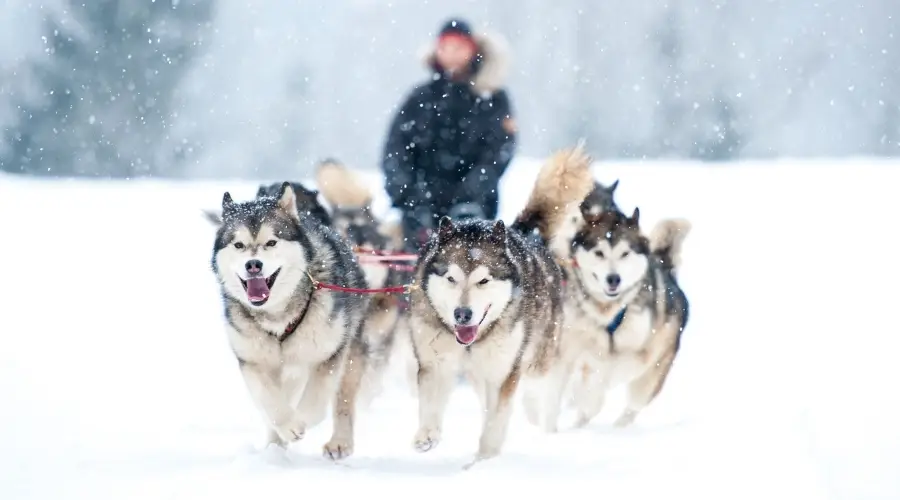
(624, 313)
(307, 202)
(291, 341)
(489, 301)
(352, 217)
(600, 199)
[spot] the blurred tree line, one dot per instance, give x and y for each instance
(139, 87)
(106, 83)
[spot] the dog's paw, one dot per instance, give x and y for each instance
(337, 449)
(485, 453)
(426, 439)
(290, 432)
(626, 419)
(550, 427)
(581, 421)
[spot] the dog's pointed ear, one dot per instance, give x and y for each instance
(635, 218)
(227, 205)
(261, 191)
(612, 187)
(498, 233)
(288, 201)
(445, 229)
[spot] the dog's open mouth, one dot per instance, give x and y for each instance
(258, 289)
(611, 292)
(466, 334)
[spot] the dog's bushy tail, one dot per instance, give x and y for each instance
(666, 240)
(340, 186)
(564, 180)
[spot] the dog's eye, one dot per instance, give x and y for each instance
(625, 254)
(483, 282)
(271, 243)
(450, 279)
(239, 245)
(599, 253)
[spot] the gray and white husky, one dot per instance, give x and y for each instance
(624, 312)
(292, 341)
(488, 302)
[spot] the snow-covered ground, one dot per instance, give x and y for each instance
(116, 381)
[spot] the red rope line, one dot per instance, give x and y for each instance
(328, 286)
(401, 267)
(392, 289)
(402, 257)
(384, 255)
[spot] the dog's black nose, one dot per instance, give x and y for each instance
(613, 280)
(462, 315)
(253, 266)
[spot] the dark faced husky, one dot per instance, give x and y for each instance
(489, 302)
(291, 340)
(307, 202)
(600, 199)
(624, 313)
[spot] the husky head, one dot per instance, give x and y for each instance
(600, 199)
(307, 202)
(469, 276)
(259, 255)
(611, 254)
(307, 199)
(358, 226)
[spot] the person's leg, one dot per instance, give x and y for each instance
(482, 189)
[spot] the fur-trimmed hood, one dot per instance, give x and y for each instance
(491, 72)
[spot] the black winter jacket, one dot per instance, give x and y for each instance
(451, 141)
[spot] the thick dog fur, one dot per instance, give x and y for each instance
(478, 276)
(292, 345)
(624, 313)
(353, 219)
(562, 184)
(307, 202)
(600, 199)
(666, 240)
(340, 186)
(493, 281)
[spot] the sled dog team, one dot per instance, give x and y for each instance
(590, 302)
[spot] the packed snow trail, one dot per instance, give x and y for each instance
(116, 379)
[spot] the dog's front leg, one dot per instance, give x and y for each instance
(499, 410)
(554, 384)
(266, 391)
(341, 443)
(436, 380)
(321, 388)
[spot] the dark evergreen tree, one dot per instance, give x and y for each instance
(109, 74)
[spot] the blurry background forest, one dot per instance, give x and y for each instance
(233, 88)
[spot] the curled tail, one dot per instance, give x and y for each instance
(564, 180)
(340, 186)
(666, 240)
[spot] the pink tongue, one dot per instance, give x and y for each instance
(257, 289)
(466, 334)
